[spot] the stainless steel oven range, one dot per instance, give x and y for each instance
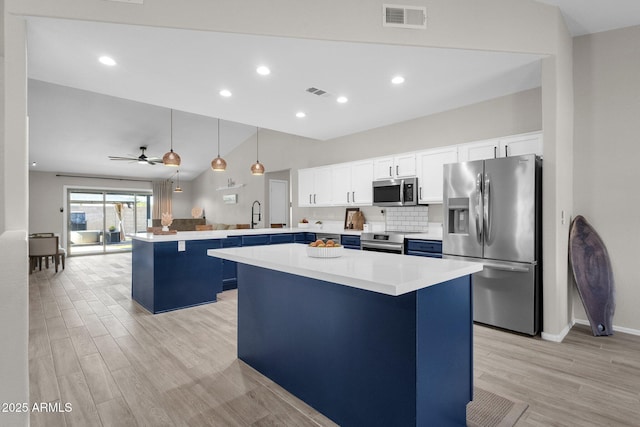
(387, 241)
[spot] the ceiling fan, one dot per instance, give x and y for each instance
(142, 158)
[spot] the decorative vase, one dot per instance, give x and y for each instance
(165, 228)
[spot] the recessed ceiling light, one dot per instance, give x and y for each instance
(397, 80)
(342, 99)
(34, 164)
(226, 93)
(263, 71)
(107, 60)
(300, 114)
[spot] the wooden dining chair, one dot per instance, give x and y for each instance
(41, 235)
(41, 248)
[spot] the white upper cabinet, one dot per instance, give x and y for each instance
(314, 187)
(361, 178)
(481, 150)
(518, 145)
(344, 184)
(400, 166)
(351, 183)
(430, 173)
(341, 184)
(305, 187)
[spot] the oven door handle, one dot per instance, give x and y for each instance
(379, 245)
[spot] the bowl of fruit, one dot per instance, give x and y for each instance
(304, 223)
(324, 249)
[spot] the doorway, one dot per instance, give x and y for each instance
(278, 206)
(99, 222)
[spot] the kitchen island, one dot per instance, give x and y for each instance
(367, 338)
(173, 271)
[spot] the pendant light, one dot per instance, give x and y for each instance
(178, 189)
(218, 164)
(171, 158)
(257, 168)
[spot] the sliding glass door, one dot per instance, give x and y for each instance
(99, 221)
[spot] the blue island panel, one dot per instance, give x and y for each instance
(361, 358)
(165, 279)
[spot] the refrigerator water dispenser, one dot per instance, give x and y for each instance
(458, 215)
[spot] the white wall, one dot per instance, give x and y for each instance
(607, 129)
(47, 196)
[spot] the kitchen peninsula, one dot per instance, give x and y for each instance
(367, 338)
(173, 271)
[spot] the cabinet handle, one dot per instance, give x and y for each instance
(347, 197)
(506, 151)
(495, 152)
(353, 196)
(314, 199)
(309, 198)
(420, 193)
(390, 174)
(397, 171)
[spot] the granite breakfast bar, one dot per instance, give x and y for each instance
(367, 338)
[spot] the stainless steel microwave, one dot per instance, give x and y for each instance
(395, 192)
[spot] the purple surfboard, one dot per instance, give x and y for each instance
(593, 275)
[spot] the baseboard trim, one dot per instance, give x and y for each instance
(557, 337)
(615, 328)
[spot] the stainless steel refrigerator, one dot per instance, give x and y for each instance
(492, 215)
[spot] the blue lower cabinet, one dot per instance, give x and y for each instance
(426, 248)
(281, 238)
(350, 241)
(165, 279)
(305, 237)
(256, 240)
(230, 268)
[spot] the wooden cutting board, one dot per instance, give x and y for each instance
(358, 220)
(593, 275)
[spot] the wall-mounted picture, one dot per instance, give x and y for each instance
(348, 217)
(230, 199)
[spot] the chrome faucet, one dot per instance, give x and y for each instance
(253, 215)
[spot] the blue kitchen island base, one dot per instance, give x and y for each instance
(361, 358)
(164, 278)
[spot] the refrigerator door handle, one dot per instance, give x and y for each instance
(487, 209)
(506, 267)
(479, 220)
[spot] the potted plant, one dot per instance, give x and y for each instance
(304, 223)
(319, 224)
(112, 228)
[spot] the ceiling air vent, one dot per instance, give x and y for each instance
(318, 92)
(394, 15)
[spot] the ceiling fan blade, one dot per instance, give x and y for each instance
(122, 158)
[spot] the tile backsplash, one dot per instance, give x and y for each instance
(407, 218)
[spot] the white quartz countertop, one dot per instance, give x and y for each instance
(216, 234)
(435, 234)
(384, 273)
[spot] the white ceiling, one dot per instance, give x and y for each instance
(81, 111)
(594, 16)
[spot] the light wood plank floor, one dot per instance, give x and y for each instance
(91, 346)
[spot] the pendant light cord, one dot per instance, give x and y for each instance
(257, 142)
(171, 128)
(218, 137)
